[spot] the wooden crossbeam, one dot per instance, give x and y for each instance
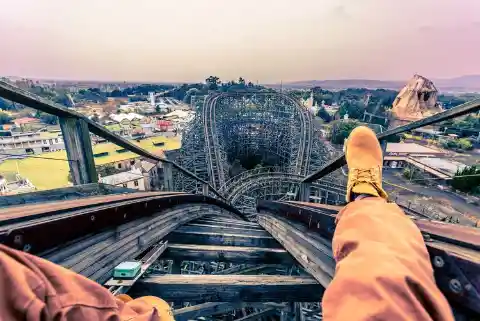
(232, 254)
(225, 226)
(219, 238)
(226, 230)
(258, 315)
(205, 309)
(224, 222)
(230, 288)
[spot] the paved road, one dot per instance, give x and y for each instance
(456, 201)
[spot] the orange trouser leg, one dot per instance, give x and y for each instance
(383, 269)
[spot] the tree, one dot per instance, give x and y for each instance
(461, 144)
(465, 144)
(5, 118)
(47, 118)
(188, 96)
(6, 104)
(106, 170)
(353, 109)
(212, 82)
(469, 183)
(342, 129)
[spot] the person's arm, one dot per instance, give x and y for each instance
(383, 269)
(34, 289)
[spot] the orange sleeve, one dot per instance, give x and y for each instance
(33, 289)
(383, 268)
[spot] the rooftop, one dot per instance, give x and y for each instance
(121, 178)
(129, 116)
(449, 167)
(411, 148)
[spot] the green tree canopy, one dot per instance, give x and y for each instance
(212, 82)
(4, 118)
(469, 183)
(341, 129)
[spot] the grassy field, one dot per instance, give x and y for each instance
(49, 174)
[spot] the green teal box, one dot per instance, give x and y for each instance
(127, 270)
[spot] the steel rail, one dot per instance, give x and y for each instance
(461, 110)
(26, 98)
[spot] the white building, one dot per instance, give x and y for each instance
(132, 179)
(130, 116)
(30, 143)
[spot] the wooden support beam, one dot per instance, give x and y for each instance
(205, 309)
(223, 223)
(309, 251)
(258, 315)
(230, 288)
(79, 150)
(235, 269)
(222, 219)
(227, 230)
(219, 238)
(231, 254)
(167, 177)
(225, 227)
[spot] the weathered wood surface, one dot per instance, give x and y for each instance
(225, 227)
(224, 221)
(226, 230)
(219, 238)
(233, 254)
(79, 150)
(312, 254)
(230, 288)
(206, 309)
(258, 315)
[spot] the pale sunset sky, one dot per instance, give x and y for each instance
(261, 40)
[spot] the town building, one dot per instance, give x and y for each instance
(432, 162)
(15, 185)
(30, 142)
(132, 179)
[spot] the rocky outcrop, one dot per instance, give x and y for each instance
(417, 100)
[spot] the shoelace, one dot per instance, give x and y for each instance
(367, 175)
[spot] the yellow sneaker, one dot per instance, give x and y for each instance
(364, 159)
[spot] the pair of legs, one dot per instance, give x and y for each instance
(383, 268)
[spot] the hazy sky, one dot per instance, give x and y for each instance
(264, 40)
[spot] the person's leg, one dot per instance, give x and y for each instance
(383, 269)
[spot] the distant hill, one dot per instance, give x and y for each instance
(463, 83)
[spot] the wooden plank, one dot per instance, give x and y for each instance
(230, 288)
(258, 315)
(218, 238)
(221, 220)
(231, 254)
(205, 309)
(226, 226)
(312, 255)
(226, 230)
